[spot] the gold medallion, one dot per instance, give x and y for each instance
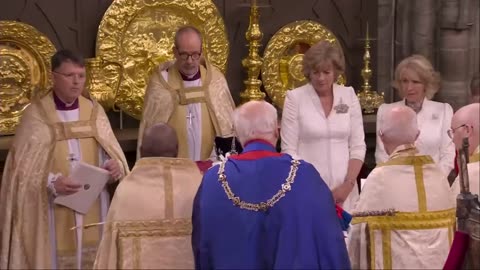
(282, 62)
(24, 70)
(139, 35)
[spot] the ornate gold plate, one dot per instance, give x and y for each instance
(139, 34)
(283, 56)
(24, 70)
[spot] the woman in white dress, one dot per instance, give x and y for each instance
(322, 123)
(417, 82)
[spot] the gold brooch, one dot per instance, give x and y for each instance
(341, 107)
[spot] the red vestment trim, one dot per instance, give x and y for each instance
(253, 155)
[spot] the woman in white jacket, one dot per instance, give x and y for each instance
(322, 123)
(417, 82)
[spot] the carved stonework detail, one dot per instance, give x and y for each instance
(139, 35)
(24, 70)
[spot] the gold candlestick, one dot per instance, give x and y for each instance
(253, 62)
(369, 100)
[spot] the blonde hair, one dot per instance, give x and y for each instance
(424, 69)
(322, 53)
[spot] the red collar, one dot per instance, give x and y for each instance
(253, 155)
(256, 154)
(257, 141)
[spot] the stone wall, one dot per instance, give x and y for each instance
(445, 31)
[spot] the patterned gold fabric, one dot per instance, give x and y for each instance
(420, 234)
(84, 131)
(25, 235)
(166, 101)
(149, 221)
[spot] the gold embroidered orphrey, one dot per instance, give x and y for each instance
(283, 56)
(24, 70)
(262, 206)
(139, 35)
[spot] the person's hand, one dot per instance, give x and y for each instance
(113, 168)
(66, 186)
(341, 192)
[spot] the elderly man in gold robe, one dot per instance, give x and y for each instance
(190, 95)
(55, 133)
(405, 216)
(149, 222)
(465, 124)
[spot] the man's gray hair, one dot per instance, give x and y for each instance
(255, 120)
(399, 125)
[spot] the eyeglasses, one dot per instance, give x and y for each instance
(194, 56)
(71, 76)
(451, 131)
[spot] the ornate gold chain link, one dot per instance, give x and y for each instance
(262, 206)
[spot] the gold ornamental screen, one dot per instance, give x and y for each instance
(24, 70)
(138, 35)
(283, 56)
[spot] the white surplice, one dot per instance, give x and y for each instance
(194, 121)
(75, 156)
(411, 183)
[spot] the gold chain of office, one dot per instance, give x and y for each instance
(262, 206)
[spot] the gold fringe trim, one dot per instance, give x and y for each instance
(403, 221)
(167, 227)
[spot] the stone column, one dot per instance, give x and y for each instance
(423, 28)
(403, 34)
(475, 40)
(385, 48)
(454, 49)
(414, 31)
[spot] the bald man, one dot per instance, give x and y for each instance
(149, 221)
(415, 187)
(465, 124)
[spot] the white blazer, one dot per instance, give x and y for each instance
(327, 143)
(433, 121)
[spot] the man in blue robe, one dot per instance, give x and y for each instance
(262, 209)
